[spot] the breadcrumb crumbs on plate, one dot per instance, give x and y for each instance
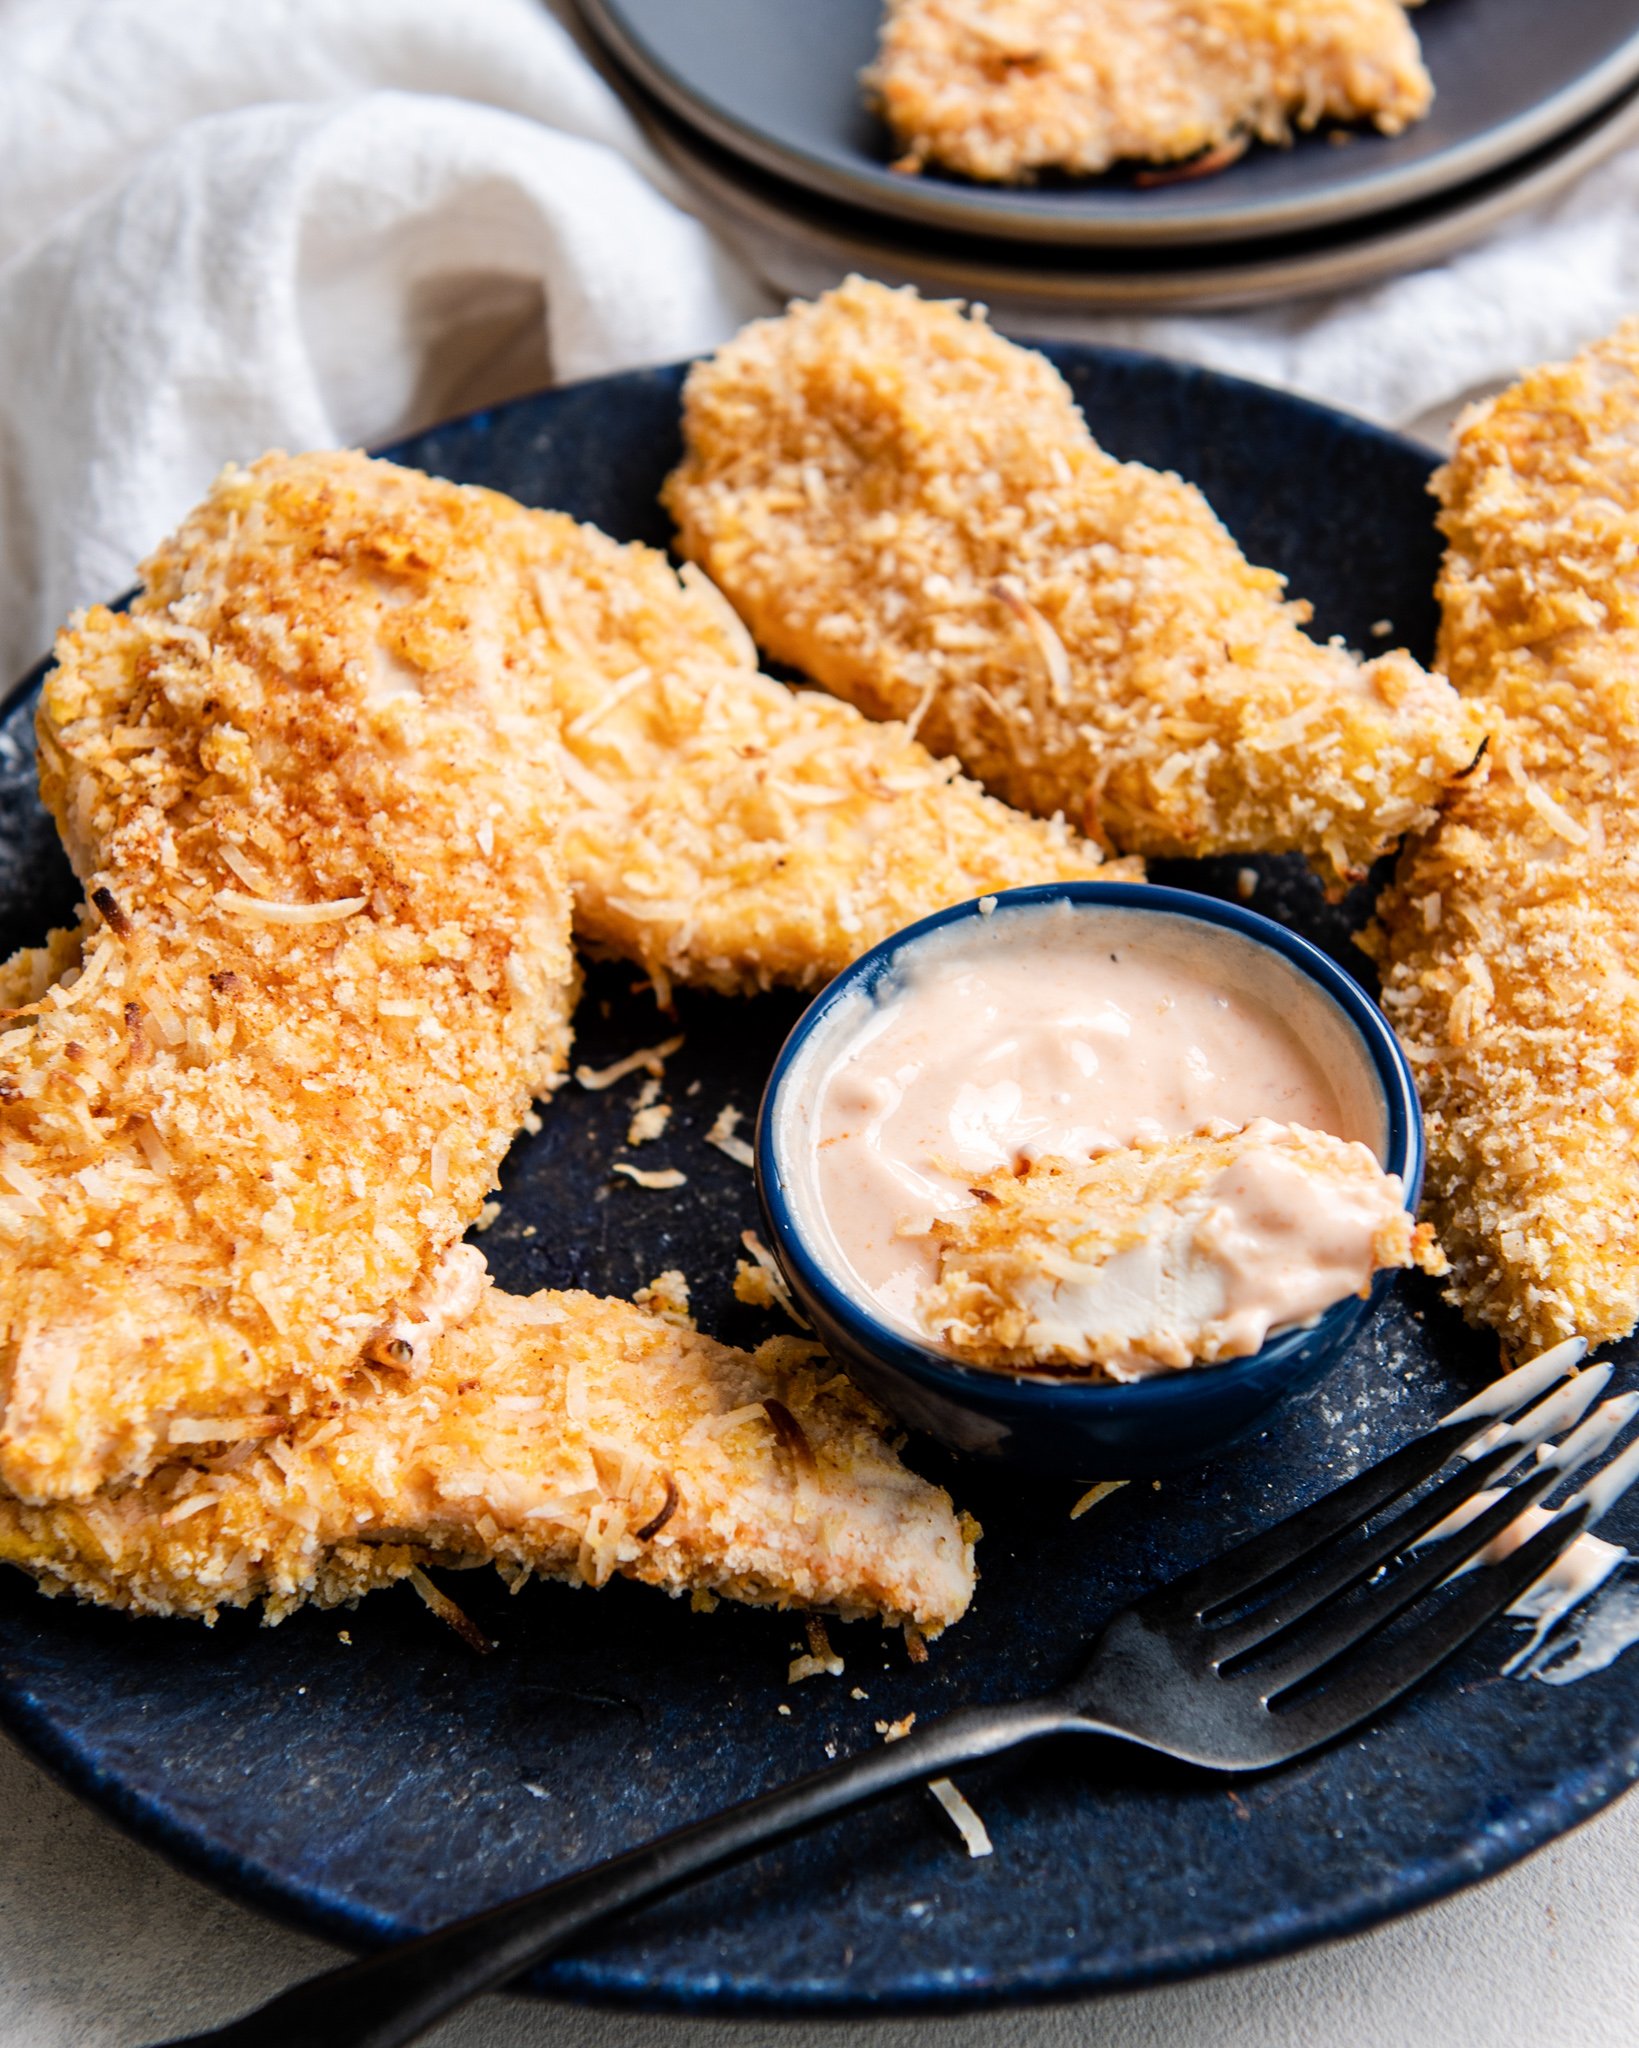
(813, 1667)
(657, 1179)
(722, 1135)
(975, 1835)
(667, 1294)
(821, 1660)
(648, 1059)
(1094, 1494)
(650, 1115)
(761, 1284)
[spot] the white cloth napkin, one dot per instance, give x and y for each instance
(229, 225)
(1410, 351)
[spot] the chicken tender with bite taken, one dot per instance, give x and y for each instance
(1153, 1257)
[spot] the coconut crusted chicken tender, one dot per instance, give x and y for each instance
(1001, 92)
(727, 830)
(535, 1434)
(325, 967)
(912, 510)
(1508, 943)
(563, 1435)
(1158, 1256)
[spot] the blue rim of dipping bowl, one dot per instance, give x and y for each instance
(1097, 1431)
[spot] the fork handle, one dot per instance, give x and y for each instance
(388, 1999)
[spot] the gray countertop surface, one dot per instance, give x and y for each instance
(103, 1945)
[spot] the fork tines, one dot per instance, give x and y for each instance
(1279, 1612)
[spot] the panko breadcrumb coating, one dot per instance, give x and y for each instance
(561, 1434)
(1131, 1263)
(911, 509)
(458, 1424)
(726, 830)
(1001, 92)
(326, 969)
(1509, 943)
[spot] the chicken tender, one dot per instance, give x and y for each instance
(912, 510)
(1509, 944)
(729, 831)
(563, 1435)
(1158, 1256)
(1001, 92)
(326, 964)
(473, 1425)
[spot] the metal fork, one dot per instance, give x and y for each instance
(1272, 1650)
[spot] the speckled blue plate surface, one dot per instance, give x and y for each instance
(377, 1781)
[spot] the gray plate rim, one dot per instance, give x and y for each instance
(1006, 213)
(1207, 284)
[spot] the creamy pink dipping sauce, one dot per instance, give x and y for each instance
(1061, 1030)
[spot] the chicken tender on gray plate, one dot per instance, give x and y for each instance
(1002, 90)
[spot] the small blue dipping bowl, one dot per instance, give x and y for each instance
(1093, 1431)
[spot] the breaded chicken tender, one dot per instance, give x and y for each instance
(1509, 944)
(728, 831)
(912, 510)
(452, 1421)
(326, 969)
(1001, 90)
(1158, 1256)
(561, 1434)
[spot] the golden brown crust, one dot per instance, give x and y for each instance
(1003, 92)
(326, 965)
(912, 510)
(728, 831)
(1510, 963)
(381, 656)
(562, 1435)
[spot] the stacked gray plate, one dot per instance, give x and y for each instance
(758, 105)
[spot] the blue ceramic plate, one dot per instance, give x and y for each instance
(776, 83)
(374, 1786)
